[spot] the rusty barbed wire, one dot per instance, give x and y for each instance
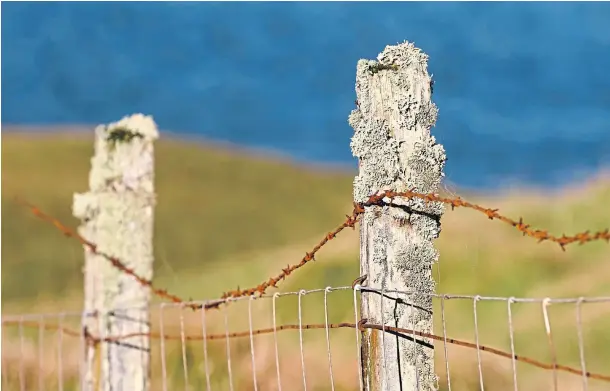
(309, 256)
(456, 202)
(351, 220)
(362, 325)
(114, 261)
(163, 293)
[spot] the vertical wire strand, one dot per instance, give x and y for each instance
(226, 315)
(183, 347)
(581, 344)
(204, 335)
(162, 332)
(103, 378)
(41, 325)
(277, 356)
(252, 343)
(384, 375)
(60, 353)
(547, 326)
(301, 292)
(445, 342)
(512, 342)
(83, 351)
(330, 360)
(438, 278)
(5, 382)
(414, 343)
(476, 335)
(22, 356)
(357, 287)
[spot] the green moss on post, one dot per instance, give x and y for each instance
(117, 215)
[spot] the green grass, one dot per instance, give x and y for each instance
(225, 219)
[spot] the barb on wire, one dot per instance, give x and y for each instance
(541, 235)
(401, 332)
(350, 221)
(456, 202)
(117, 263)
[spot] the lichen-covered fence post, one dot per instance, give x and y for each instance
(396, 152)
(117, 216)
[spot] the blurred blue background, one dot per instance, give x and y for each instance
(523, 88)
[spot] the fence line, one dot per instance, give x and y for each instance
(384, 198)
(42, 322)
(374, 195)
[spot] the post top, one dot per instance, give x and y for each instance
(140, 124)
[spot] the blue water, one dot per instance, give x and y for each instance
(523, 88)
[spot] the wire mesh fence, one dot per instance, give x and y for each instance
(310, 340)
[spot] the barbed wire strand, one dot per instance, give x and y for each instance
(378, 200)
(360, 326)
(116, 263)
(351, 220)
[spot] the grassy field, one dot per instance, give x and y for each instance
(227, 218)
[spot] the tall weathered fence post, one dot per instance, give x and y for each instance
(117, 216)
(396, 152)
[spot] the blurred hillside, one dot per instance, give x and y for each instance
(226, 218)
(503, 71)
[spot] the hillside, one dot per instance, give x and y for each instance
(227, 218)
(212, 204)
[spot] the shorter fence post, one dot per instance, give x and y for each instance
(396, 152)
(117, 216)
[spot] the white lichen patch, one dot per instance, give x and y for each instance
(123, 159)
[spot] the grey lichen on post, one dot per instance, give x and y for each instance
(117, 216)
(396, 152)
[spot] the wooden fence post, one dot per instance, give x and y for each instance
(117, 216)
(396, 152)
